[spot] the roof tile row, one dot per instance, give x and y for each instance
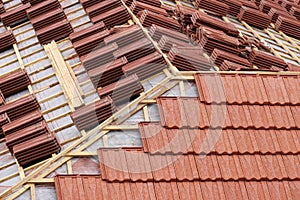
(94, 187)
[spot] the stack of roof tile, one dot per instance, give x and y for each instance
(265, 60)
(15, 15)
(102, 7)
(184, 14)
(135, 50)
(7, 40)
(123, 90)
(36, 149)
(288, 5)
(156, 32)
(155, 3)
(88, 3)
(126, 36)
(249, 4)
(2, 9)
(254, 17)
(295, 12)
(218, 57)
(20, 107)
(138, 6)
(14, 82)
(2, 99)
(33, 2)
(202, 19)
(213, 6)
(93, 114)
(49, 22)
(265, 6)
(3, 120)
(25, 121)
(90, 43)
(87, 32)
(108, 73)
(48, 18)
(42, 8)
(26, 134)
(99, 57)
(210, 39)
(189, 59)
(231, 66)
(166, 43)
(288, 26)
(234, 6)
(274, 14)
(145, 66)
(148, 18)
(116, 16)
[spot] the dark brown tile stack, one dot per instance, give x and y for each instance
(20, 107)
(4, 119)
(274, 14)
(155, 3)
(254, 17)
(216, 7)
(49, 21)
(25, 121)
(210, 39)
(90, 43)
(148, 18)
(295, 12)
(288, 5)
(99, 57)
(249, 4)
(36, 149)
(189, 59)
(202, 19)
(156, 32)
(88, 3)
(184, 15)
(135, 50)
(265, 6)
(112, 17)
(288, 26)
(166, 43)
(126, 36)
(93, 114)
(15, 15)
(234, 6)
(138, 6)
(34, 2)
(122, 91)
(14, 82)
(2, 99)
(145, 66)
(218, 57)
(102, 7)
(7, 39)
(265, 60)
(108, 73)
(80, 35)
(2, 9)
(42, 8)
(231, 66)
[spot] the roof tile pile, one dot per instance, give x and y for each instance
(155, 3)
(123, 90)
(166, 43)
(87, 32)
(274, 14)
(148, 18)
(2, 9)
(107, 73)
(7, 39)
(15, 15)
(234, 6)
(145, 66)
(295, 11)
(213, 6)
(42, 8)
(93, 114)
(49, 21)
(4, 119)
(14, 82)
(219, 56)
(189, 59)
(138, 6)
(102, 7)
(156, 32)
(288, 26)
(210, 39)
(265, 60)
(254, 17)
(265, 6)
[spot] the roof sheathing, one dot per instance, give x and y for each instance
(67, 53)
